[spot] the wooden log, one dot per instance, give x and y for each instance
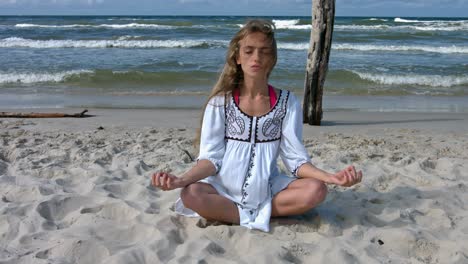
(43, 115)
(323, 15)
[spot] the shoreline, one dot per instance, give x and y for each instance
(333, 121)
(331, 103)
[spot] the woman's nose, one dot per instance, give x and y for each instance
(257, 55)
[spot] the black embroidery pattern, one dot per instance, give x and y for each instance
(246, 180)
(272, 126)
(235, 124)
(217, 165)
(269, 129)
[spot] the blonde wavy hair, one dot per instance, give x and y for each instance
(232, 75)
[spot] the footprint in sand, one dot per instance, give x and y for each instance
(75, 251)
(433, 219)
(25, 194)
(215, 249)
(3, 167)
(287, 256)
(123, 190)
(153, 209)
(57, 210)
(427, 165)
(173, 235)
(91, 210)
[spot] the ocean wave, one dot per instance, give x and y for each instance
(363, 47)
(129, 42)
(390, 48)
(420, 80)
(290, 24)
(361, 27)
(378, 19)
(428, 27)
(287, 24)
(402, 20)
(128, 37)
(34, 77)
(114, 26)
(43, 44)
(110, 78)
(293, 46)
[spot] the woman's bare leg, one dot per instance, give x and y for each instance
(300, 196)
(206, 201)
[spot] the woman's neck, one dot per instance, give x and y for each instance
(254, 87)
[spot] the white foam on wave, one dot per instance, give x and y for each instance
(425, 27)
(115, 26)
(283, 23)
(378, 19)
(361, 27)
(290, 24)
(402, 20)
(388, 48)
(133, 19)
(128, 37)
(293, 46)
(423, 80)
(43, 44)
(128, 42)
(34, 77)
(363, 47)
(287, 24)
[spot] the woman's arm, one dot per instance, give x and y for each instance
(167, 181)
(346, 177)
(307, 170)
(212, 147)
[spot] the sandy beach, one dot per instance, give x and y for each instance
(78, 191)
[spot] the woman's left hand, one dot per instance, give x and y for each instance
(347, 177)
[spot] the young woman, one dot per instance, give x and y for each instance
(246, 125)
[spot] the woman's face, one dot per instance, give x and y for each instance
(255, 55)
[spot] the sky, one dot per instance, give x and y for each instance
(392, 8)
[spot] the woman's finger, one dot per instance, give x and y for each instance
(354, 179)
(168, 182)
(353, 170)
(349, 177)
(162, 180)
(153, 179)
(156, 179)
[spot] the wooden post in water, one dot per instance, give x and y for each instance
(323, 16)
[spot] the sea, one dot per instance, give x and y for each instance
(376, 63)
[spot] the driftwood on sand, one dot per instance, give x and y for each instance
(42, 115)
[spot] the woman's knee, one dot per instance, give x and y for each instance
(191, 195)
(316, 193)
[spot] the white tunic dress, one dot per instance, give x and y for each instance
(244, 149)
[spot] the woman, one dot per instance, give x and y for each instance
(246, 125)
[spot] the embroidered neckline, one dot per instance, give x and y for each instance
(260, 116)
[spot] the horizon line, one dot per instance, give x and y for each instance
(121, 15)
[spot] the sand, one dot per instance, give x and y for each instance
(78, 191)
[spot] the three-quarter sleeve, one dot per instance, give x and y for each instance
(292, 150)
(212, 143)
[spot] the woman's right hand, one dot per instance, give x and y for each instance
(347, 177)
(166, 181)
